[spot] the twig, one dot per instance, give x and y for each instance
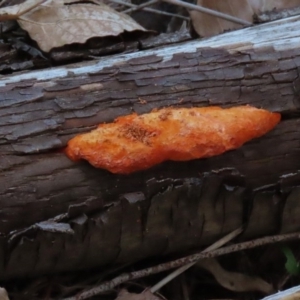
(152, 10)
(109, 285)
(212, 247)
(209, 12)
(141, 6)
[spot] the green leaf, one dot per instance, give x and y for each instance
(291, 265)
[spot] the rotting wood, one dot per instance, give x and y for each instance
(103, 218)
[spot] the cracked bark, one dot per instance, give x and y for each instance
(56, 215)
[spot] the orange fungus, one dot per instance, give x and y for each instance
(137, 142)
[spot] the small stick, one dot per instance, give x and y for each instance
(209, 12)
(152, 10)
(182, 269)
(109, 285)
(141, 6)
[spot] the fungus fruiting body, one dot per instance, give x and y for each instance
(138, 142)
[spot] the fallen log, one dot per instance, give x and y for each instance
(57, 215)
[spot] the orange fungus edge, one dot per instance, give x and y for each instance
(137, 142)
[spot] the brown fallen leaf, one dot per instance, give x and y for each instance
(138, 142)
(15, 11)
(206, 25)
(295, 296)
(145, 295)
(54, 24)
(234, 281)
(3, 294)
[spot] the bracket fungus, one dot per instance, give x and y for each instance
(137, 142)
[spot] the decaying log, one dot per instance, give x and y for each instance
(57, 215)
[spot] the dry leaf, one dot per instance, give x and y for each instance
(206, 25)
(145, 295)
(295, 296)
(234, 281)
(3, 294)
(54, 24)
(15, 11)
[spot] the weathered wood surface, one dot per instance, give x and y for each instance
(103, 218)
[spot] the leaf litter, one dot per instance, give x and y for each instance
(56, 23)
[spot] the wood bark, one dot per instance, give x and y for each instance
(57, 215)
